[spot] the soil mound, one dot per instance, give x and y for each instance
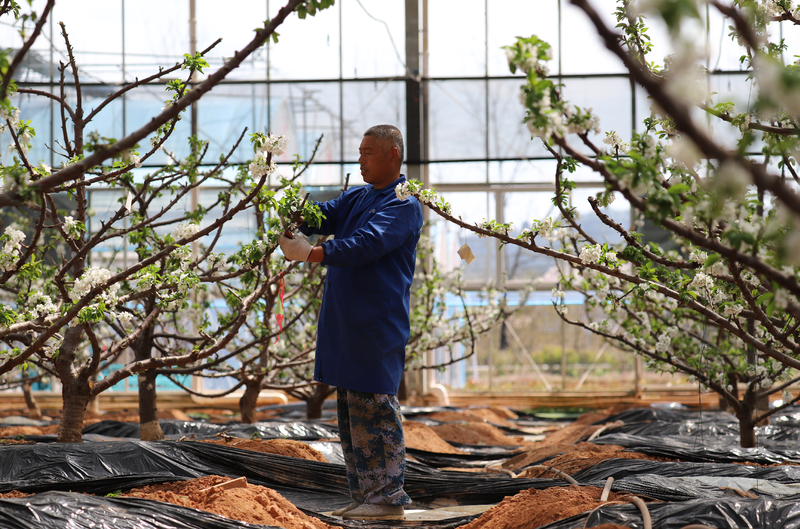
(576, 461)
(13, 431)
(454, 416)
(533, 508)
(491, 415)
(15, 494)
(281, 447)
(251, 503)
(537, 454)
(422, 437)
(476, 433)
(570, 434)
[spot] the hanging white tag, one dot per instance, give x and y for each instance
(129, 201)
(465, 252)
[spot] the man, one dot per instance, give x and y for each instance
(364, 320)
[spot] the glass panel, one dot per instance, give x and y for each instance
(448, 238)
(457, 173)
(725, 51)
(233, 27)
(304, 112)
(522, 209)
(509, 137)
(510, 19)
(37, 110)
(306, 49)
(527, 171)
(457, 39)
(153, 41)
(145, 103)
(371, 103)
(619, 211)
(734, 88)
(97, 46)
(610, 100)
(225, 112)
(457, 117)
(373, 39)
(583, 50)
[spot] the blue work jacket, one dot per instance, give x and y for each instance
(364, 319)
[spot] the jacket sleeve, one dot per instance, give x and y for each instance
(386, 230)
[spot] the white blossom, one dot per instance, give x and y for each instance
(781, 299)
(91, 278)
(275, 144)
(663, 343)
(590, 253)
(184, 230)
(259, 167)
(11, 249)
(732, 310)
(402, 191)
(71, 227)
(702, 280)
(698, 256)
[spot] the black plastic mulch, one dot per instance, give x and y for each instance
(717, 512)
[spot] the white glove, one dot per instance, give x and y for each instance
(295, 249)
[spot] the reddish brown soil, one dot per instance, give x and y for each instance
(537, 454)
(533, 508)
(281, 447)
(570, 434)
(252, 503)
(454, 416)
(15, 494)
(576, 461)
(490, 415)
(423, 437)
(476, 433)
(13, 431)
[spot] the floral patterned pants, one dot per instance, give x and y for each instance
(371, 432)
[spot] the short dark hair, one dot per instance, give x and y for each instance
(390, 134)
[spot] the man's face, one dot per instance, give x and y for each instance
(378, 162)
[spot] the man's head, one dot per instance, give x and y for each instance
(381, 155)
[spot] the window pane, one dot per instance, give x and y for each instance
(619, 211)
(457, 39)
(304, 112)
(448, 238)
(457, 120)
(587, 53)
(371, 103)
(224, 113)
(457, 173)
(509, 137)
(374, 38)
(509, 19)
(609, 99)
(97, 46)
(523, 172)
(142, 105)
(306, 49)
(153, 41)
(522, 209)
(234, 27)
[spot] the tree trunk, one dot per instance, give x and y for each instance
(315, 402)
(149, 428)
(747, 433)
(34, 412)
(76, 388)
(249, 400)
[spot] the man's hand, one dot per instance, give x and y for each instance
(295, 249)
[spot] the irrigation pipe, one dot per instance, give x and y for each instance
(646, 520)
(559, 473)
(607, 489)
(495, 467)
(603, 428)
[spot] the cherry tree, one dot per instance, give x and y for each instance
(66, 312)
(720, 302)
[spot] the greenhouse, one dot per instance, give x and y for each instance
(380, 263)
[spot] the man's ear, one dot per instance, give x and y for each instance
(395, 154)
